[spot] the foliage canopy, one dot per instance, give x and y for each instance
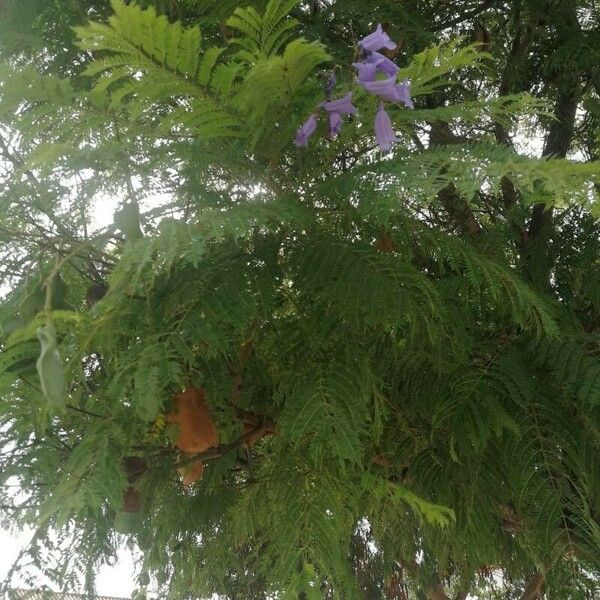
(398, 352)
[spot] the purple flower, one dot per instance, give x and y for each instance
(374, 62)
(303, 134)
(390, 90)
(403, 93)
(335, 124)
(384, 130)
(377, 40)
(330, 83)
(386, 88)
(383, 63)
(341, 105)
(366, 71)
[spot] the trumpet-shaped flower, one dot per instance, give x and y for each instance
(384, 132)
(342, 106)
(403, 94)
(377, 40)
(375, 62)
(366, 71)
(383, 63)
(303, 134)
(335, 124)
(330, 83)
(390, 90)
(386, 88)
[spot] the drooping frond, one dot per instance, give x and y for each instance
(263, 35)
(150, 61)
(430, 69)
(575, 364)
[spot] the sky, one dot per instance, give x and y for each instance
(116, 581)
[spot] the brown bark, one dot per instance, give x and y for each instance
(534, 586)
(558, 142)
(509, 83)
(459, 211)
(456, 206)
(437, 593)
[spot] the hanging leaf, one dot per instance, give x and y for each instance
(50, 368)
(127, 220)
(191, 473)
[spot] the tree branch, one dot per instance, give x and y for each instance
(467, 15)
(559, 137)
(508, 84)
(18, 163)
(437, 592)
(217, 452)
(456, 206)
(85, 412)
(534, 586)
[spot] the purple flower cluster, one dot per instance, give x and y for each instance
(372, 64)
(334, 109)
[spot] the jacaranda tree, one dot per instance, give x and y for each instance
(302, 297)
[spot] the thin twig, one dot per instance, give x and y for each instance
(86, 412)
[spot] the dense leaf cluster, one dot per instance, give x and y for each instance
(400, 351)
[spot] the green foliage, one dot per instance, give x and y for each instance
(49, 368)
(328, 414)
(399, 351)
(575, 366)
(472, 168)
(272, 83)
(263, 36)
(153, 65)
(431, 68)
(150, 61)
(127, 220)
(392, 497)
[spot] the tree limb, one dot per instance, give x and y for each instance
(521, 42)
(467, 15)
(456, 206)
(534, 586)
(559, 137)
(437, 592)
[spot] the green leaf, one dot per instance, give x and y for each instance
(128, 221)
(50, 368)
